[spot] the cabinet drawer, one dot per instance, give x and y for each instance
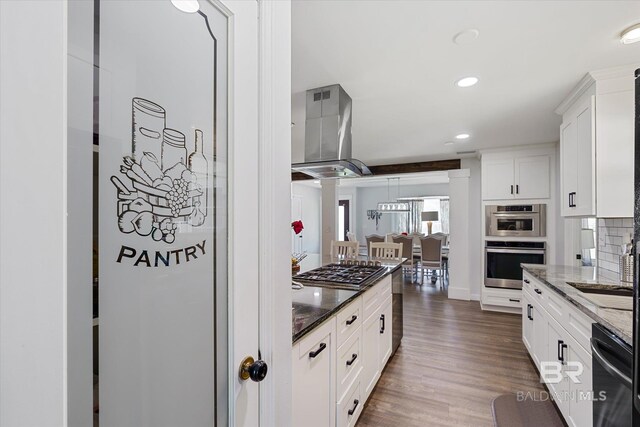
(502, 297)
(385, 287)
(350, 407)
(528, 282)
(315, 340)
(579, 327)
(349, 320)
(349, 363)
(555, 305)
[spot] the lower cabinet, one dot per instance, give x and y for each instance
(559, 347)
(337, 366)
(314, 378)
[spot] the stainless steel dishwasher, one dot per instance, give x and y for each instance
(397, 287)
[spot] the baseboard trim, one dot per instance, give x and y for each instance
(476, 297)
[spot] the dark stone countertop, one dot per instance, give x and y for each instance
(312, 305)
(620, 322)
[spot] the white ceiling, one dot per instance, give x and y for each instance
(397, 61)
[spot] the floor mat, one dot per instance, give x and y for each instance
(508, 411)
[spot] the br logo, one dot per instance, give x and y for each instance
(553, 372)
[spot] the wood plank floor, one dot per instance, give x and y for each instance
(453, 360)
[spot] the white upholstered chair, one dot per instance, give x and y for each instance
(431, 257)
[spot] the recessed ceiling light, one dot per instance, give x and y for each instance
(463, 136)
(188, 6)
(467, 81)
(449, 143)
(466, 36)
(630, 35)
(316, 181)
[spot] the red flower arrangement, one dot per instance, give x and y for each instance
(297, 226)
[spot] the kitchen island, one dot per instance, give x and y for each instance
(342, 341)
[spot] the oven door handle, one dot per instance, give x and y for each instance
(533, 215)
(515, 251)
(612, 370)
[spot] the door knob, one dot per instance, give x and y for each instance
(254, 369)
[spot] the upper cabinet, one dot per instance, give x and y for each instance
(596, 146)
(515, 175)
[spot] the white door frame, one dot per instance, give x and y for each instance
(275, 210)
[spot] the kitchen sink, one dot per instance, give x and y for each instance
(590, 288)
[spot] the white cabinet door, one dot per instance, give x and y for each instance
(370, 357)
(581, 405)
(555, 340)
(584, 199)
(532, 177)
(527, 322)
(497, 179)
(540, 331)
(314, 378)
(386, 333)
(614, 136)
(568, 166)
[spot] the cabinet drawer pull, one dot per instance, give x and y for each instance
(353, 319)
(355, 405)
(517, 189)
(530, 311)
(382, 323)
(561, 347)
(538, 291)
(527, 281)
(512, 189)
(318, 351)
(514, 300)
(354, 356)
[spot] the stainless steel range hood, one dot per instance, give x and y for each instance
(327, 139)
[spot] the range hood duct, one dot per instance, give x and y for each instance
(327, 138)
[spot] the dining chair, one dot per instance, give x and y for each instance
(342, 249)
(385, 250)
(431, 257)
(389, 237)
(407, 249)
(373, 238)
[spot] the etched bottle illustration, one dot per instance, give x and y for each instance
(148, 121)
(199, 166)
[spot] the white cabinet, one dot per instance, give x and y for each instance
(497, 179)
(314, 378)
(386, 333)
(577, 156)
(555, 332)
(597, 146)
(338, 364)
(515, 176)
(532, 177)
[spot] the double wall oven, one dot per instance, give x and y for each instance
(527, 223)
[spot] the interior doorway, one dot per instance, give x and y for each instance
(344, 223)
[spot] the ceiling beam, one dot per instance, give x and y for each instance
(400, 168)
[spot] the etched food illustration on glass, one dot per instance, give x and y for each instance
(160, 185)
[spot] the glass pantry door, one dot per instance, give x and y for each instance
(167, 123)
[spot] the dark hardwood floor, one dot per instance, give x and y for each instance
(453, 360)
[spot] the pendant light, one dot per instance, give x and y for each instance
(393, 207)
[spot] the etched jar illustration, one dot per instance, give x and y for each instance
(199, 167)
(148, 122)
(174, 150)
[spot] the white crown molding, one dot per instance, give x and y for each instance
(592, 77)
(513, 148)
(583, 85)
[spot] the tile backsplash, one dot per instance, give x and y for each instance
(612, 233)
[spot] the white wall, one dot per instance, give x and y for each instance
(368, 198)
(33, 214)
(476, 275)
(311, 208)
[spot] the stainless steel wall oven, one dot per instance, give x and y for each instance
(503, 259)
(516, 220)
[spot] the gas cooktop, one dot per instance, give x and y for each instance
(349, 273)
